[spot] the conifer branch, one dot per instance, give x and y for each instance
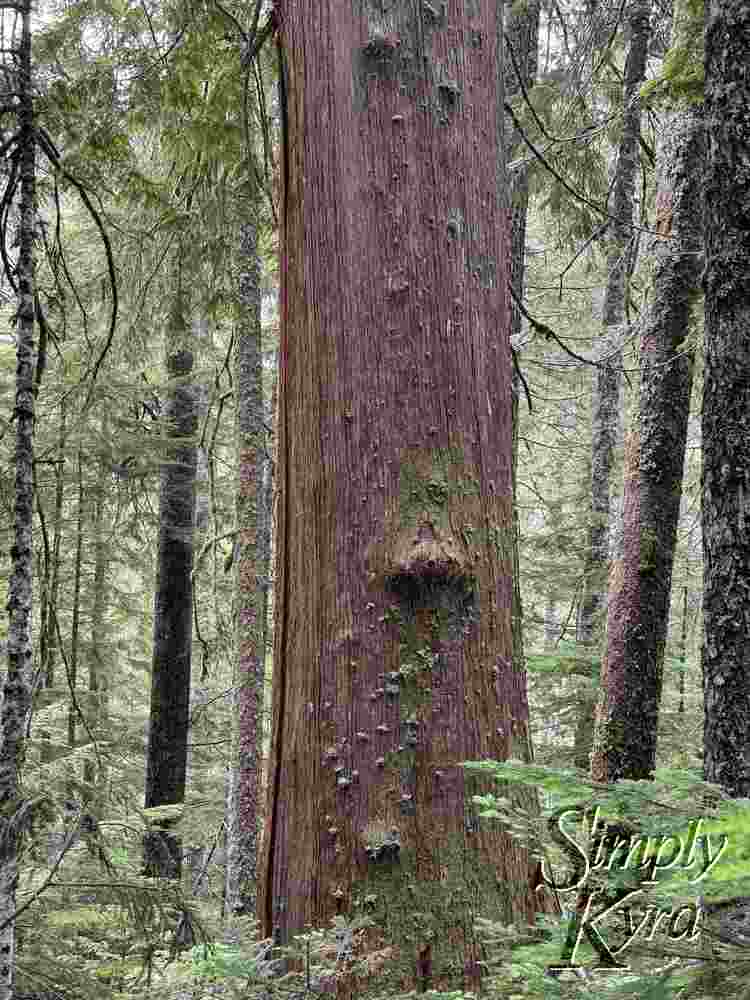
(48, 148)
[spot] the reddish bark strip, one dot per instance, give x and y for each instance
(638, 611)
(608, 385)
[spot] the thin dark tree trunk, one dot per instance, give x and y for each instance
(169, 720)
(522, 39)
(48, 624)
(95, 774)
(638, 612)
(394, 557)
(683, 653)
(49, 649)
(72, 663)
(726, 401)
(197, 852)
(17, 690)
(522, 36)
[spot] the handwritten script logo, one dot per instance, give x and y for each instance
(647, 855)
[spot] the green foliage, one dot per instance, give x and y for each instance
(564, 784)
(725, 835)
(170, 814)
(682, 75)
(221, 961)
(565, 660)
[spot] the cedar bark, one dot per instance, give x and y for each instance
(393, 646)
(166, 761)
(608, 384)
(638, 611)
(726, 400)
(17, 690)
(242, 843)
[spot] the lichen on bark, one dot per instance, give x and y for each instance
(638, 609)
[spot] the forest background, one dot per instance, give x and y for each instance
(144, 167)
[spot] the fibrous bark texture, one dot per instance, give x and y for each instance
(17, 689)
(726, 400)
(245, 777)
(607, 389)
(638, 611)
(392, 656)
(166, 761)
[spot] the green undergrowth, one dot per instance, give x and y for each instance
(122, 941)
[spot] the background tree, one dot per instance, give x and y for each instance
(251, 646)
(17, 689)
(606, 405)
(606, 419)
(726, 446)
(522, 42)
(166, 760)
(638, 606)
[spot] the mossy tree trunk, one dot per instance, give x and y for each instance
(17, 690)
(608, 378)
(638, 607)
(393, 645)
(242, 842)
(726, 401)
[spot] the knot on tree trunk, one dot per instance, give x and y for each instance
(423, 553)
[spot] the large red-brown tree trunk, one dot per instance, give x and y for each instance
(392, 657)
